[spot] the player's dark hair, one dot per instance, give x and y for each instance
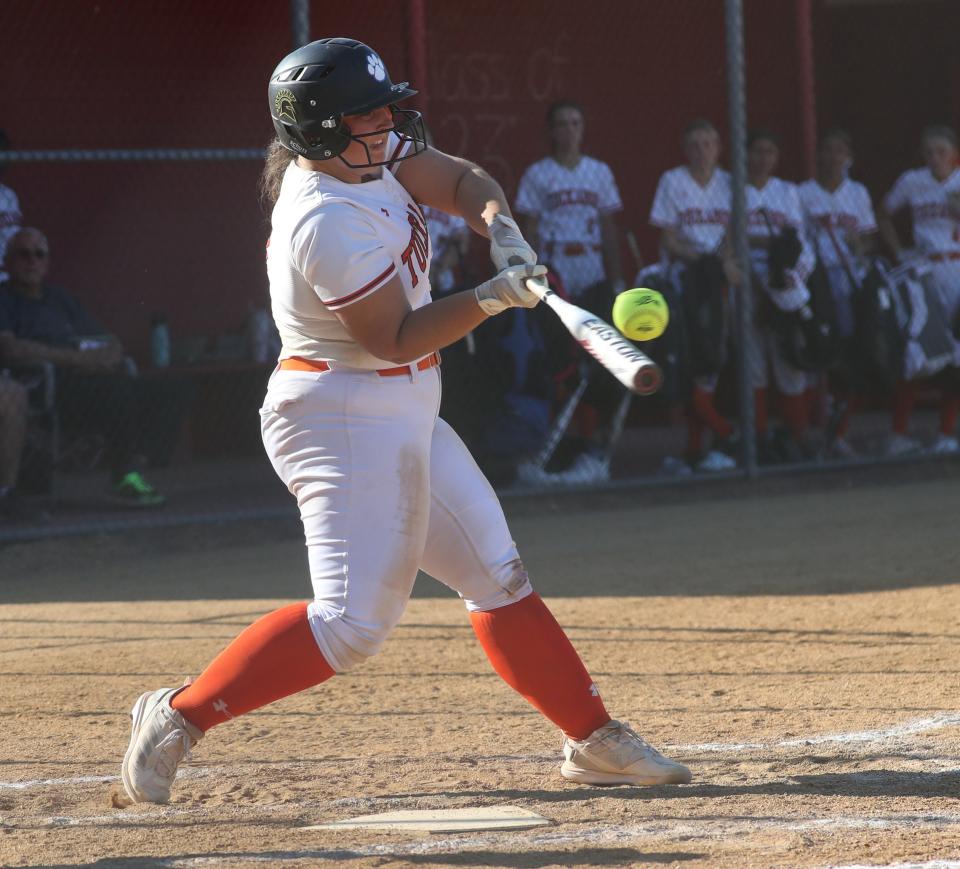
(276, 162)
(695, 126)
(837, 134)
(557, 106)
(762, 134)
(939, 131)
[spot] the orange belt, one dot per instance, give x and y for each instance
(298, 363)
(946, 255)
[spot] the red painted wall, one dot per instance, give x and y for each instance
(187, 238)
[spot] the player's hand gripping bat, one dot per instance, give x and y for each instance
(623, 360)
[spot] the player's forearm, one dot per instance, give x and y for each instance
(22, 351)
(435, 326)
(479, 198)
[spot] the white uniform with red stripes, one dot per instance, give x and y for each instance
(699, 214)
(569, 204)
(384, 486)
(832, 219)
(770, 210)
(935, 208)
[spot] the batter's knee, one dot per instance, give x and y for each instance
(346, 641)
(510, 584)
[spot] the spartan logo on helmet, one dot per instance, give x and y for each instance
(283, 104)
(376, 68)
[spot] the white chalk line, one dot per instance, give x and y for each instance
(908, 728)
(929, 864)
(620, 834)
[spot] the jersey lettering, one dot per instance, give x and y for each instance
(694, 216)
(931, 211)
(414, 256)
(559, 198)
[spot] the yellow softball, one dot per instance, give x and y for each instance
(641, 314)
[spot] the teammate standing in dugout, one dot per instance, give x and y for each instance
(350, 424)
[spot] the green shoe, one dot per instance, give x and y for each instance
(134, 491)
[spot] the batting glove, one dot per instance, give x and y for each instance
(507, 241)
(509, 289)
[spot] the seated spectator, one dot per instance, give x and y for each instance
(691, 208)
(13, 427)
(10, 216)
(95, 390)
(931, 196)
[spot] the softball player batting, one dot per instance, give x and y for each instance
(350, 424)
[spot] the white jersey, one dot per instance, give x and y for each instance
(844, 214)
(10, 221)
(936, 227)
(770, 210)
(333, 244)
(698, 214)
(568, 202)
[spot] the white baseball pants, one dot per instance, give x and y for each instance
(384, 487)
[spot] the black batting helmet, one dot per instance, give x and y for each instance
(313, 87)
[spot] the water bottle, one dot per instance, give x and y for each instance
(159, 342)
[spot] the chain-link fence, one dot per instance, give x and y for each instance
(728, 157)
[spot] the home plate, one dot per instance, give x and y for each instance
(443, 820)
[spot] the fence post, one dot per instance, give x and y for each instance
(736, 99)
(300, 22)
(417, 51)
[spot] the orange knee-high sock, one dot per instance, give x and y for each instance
(275, 657)
(793, 409)
(704, 407)
(949, 407)
(532, 654)
(903, 398)
(760, 410)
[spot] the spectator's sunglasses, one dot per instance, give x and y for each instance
(27, 252)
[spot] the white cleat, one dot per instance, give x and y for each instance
(716, 461)
(159, 740)
(842, 449)
(945, 445)
(901, 445)
(615, 755)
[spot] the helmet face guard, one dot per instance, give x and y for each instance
(314, 87)
(408, 126)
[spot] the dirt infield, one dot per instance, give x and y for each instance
(797, 649)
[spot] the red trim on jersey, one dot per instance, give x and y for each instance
(379, 279)
(396, 153)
